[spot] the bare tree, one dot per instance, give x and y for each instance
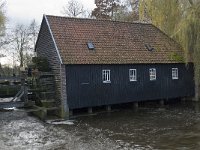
(2, 18)
(2, 24)
(87, 14)
(73, 9)
(23, 42)
(33, 30)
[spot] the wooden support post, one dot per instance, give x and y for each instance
(162, 102)
(196, 106)
(90, 110)
(135, 105)
(71, 113)
(108, 108)
(183, 99)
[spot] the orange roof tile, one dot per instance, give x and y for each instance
(115, 42)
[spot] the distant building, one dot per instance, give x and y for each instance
(101, 62)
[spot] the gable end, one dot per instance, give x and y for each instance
(53, 39)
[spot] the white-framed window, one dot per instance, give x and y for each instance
(174, 73)
(106, 76)
(152, 74)
(132, 74)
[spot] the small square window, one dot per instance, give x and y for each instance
(152, 74)
(174, 73)
(106, 76)
(90, 45)
(132, 75)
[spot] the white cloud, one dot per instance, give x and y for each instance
(23, 11)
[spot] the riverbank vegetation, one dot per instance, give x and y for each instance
(180, 20)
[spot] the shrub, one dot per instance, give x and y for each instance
(41, 64)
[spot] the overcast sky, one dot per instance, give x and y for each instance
(23, 11)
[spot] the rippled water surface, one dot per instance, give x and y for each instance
(174, 126)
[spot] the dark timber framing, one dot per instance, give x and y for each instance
(86, 88)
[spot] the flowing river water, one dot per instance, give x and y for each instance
(171, 127)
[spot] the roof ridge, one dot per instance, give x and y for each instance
(100, 20)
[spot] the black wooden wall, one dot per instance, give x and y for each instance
(85, 87)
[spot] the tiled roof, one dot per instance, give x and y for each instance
(115, 42)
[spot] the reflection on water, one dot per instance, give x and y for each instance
(174, 126)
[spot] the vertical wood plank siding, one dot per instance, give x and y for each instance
(86, 89)
(46, 48)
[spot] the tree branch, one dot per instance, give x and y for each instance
(191, 2)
